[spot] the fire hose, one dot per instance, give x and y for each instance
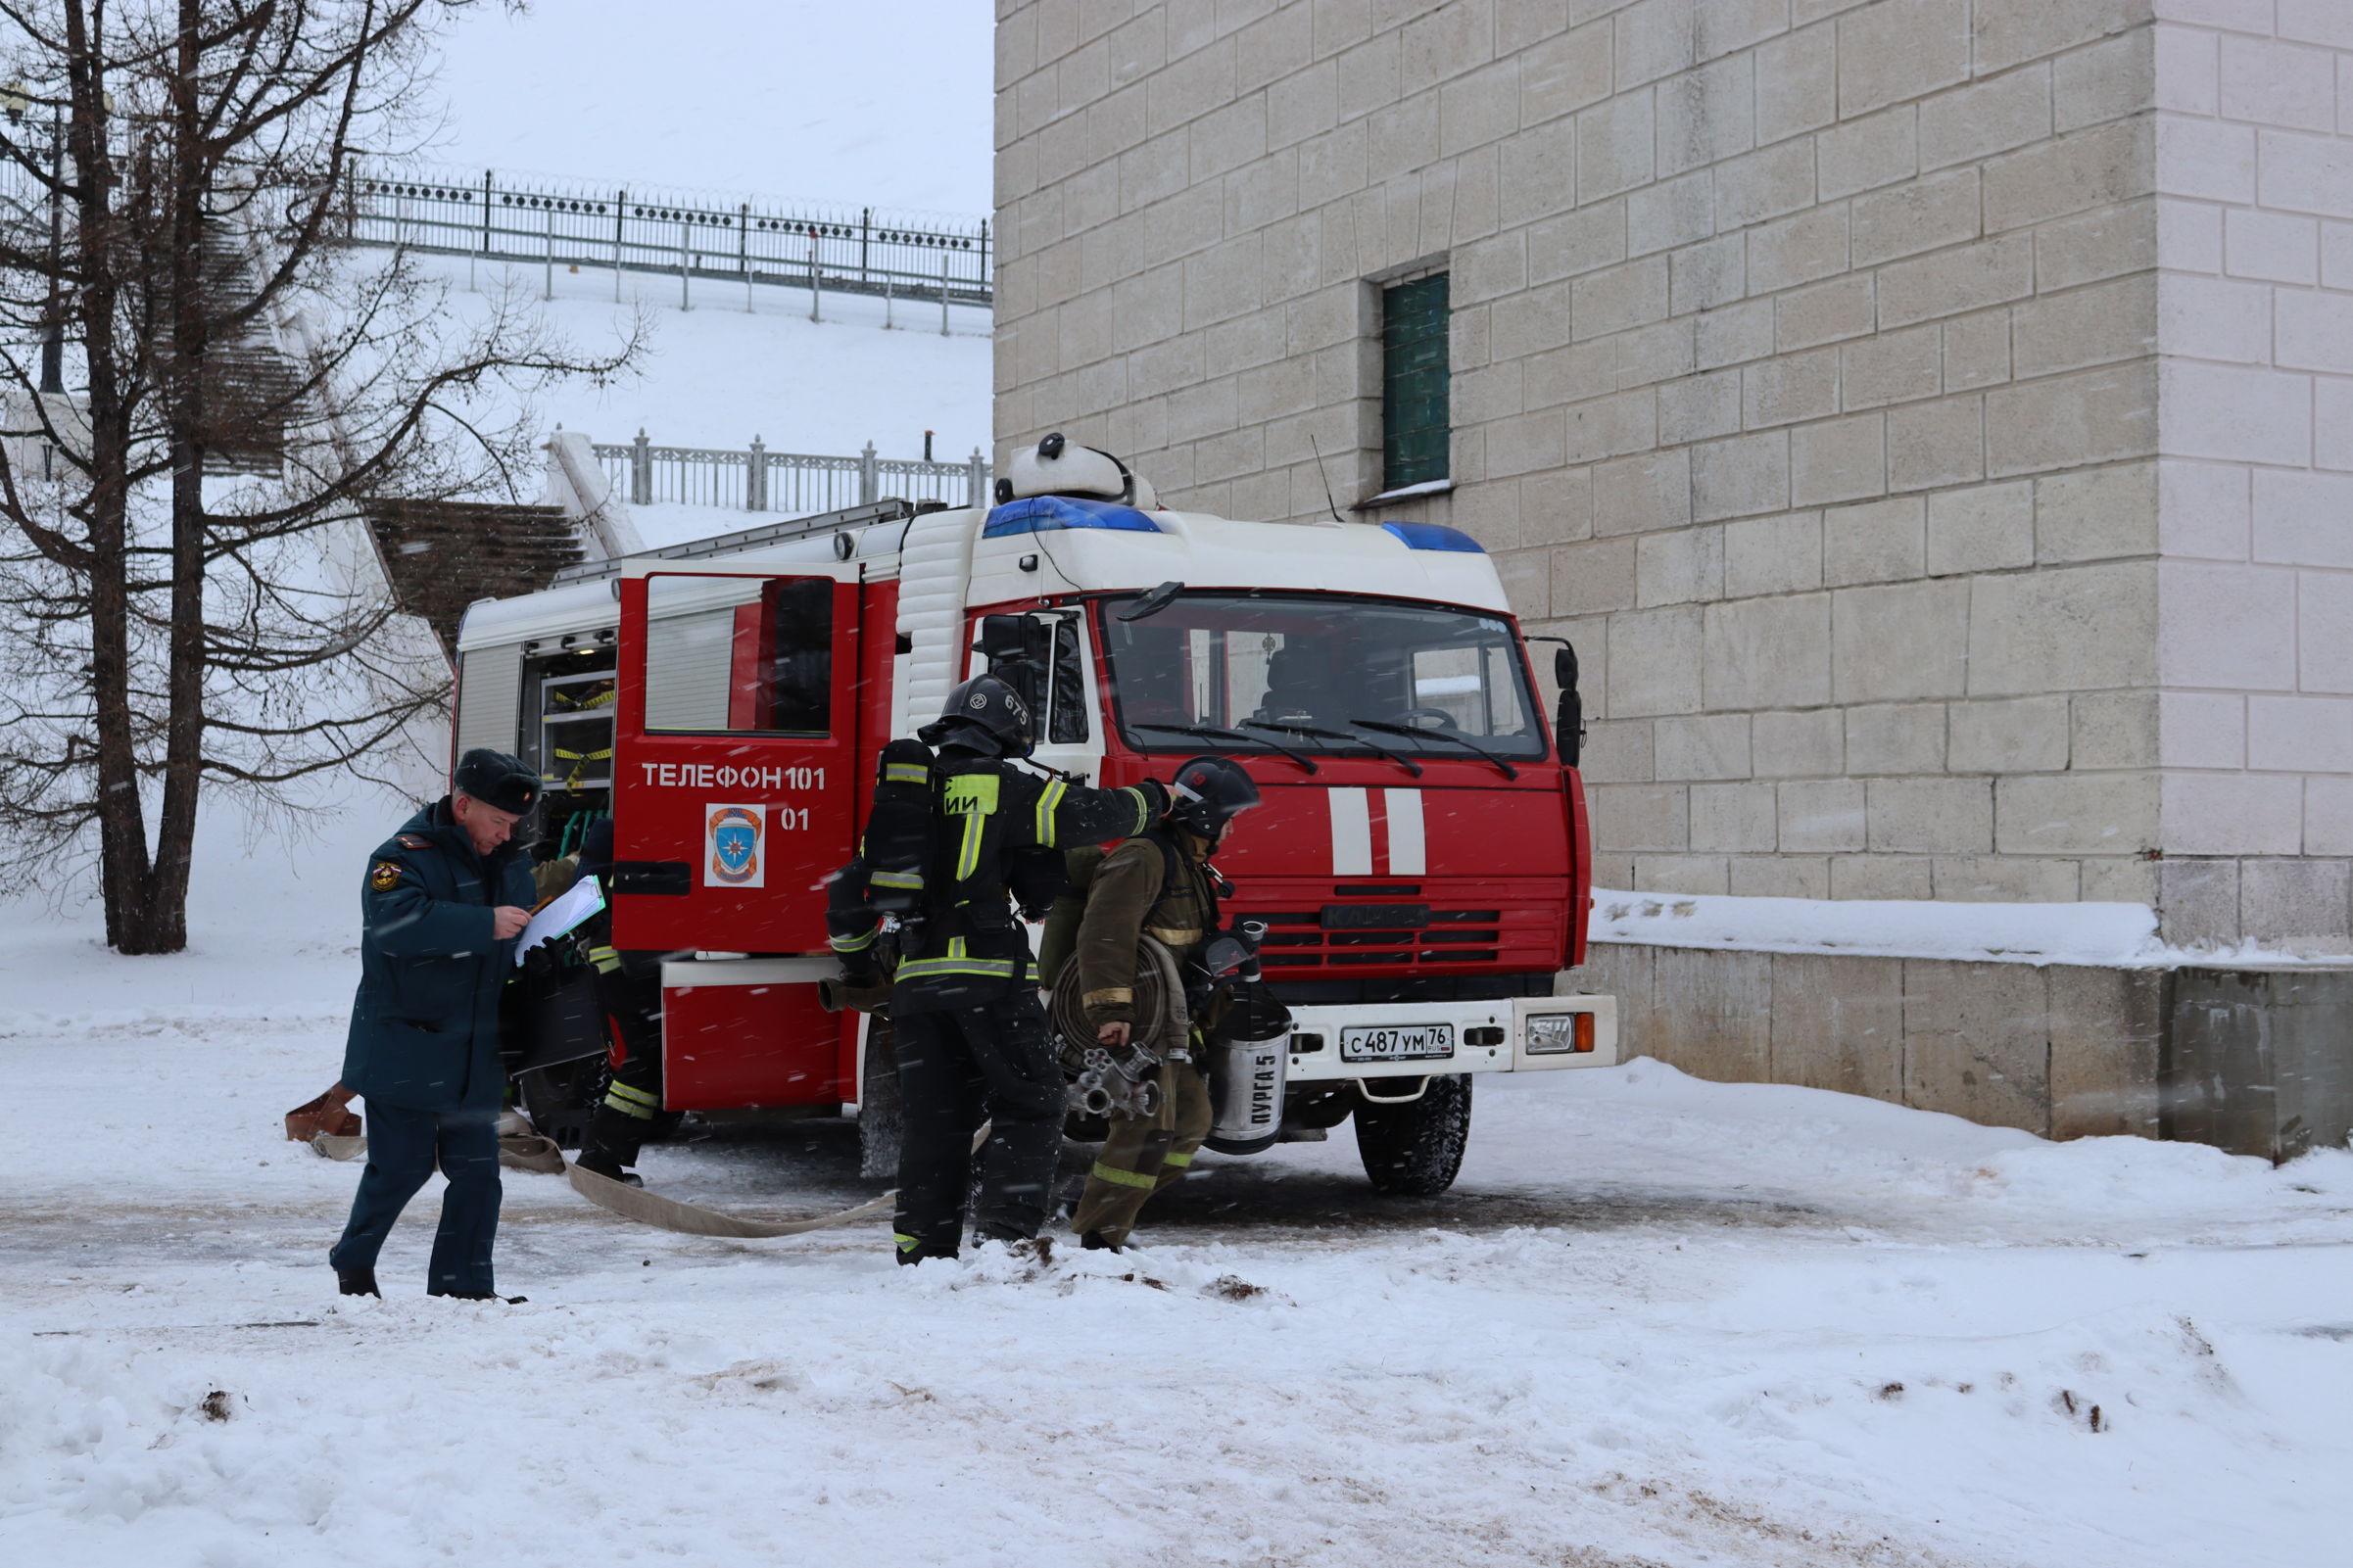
(333, 1131)
(1124, 1080)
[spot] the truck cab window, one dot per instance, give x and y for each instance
(739, 655)
(1290, 665)
(1066, 714)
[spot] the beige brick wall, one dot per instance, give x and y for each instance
(2255, 493)
(1807, 373)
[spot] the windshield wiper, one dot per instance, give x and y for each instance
(1407, 763)
(1203, 732)
(1510, 771)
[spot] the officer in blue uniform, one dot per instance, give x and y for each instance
(444, 901)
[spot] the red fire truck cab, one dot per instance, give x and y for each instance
(1419, 859)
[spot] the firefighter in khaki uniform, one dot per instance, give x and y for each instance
(1156, 884)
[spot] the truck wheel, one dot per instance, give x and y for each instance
(880, 1123)
(1415, 1150)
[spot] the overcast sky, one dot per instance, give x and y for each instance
(881, 103)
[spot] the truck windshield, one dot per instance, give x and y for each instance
(1427, 676)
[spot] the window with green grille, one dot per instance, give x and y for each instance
(1415, 426)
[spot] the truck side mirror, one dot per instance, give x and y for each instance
(1570, 723)
(1018, 648)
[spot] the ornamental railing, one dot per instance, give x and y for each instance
(555, 223)
(793, 484)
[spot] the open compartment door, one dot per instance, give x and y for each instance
(735, 765)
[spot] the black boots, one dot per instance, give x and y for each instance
(597, 1162)
(610, 1146)
(1093, 1241)
(363, 1282)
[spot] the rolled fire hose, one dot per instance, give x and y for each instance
(1163, 1024)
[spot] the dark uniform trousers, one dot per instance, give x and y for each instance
(629, 986)
(402, 1146)
(956, 1068)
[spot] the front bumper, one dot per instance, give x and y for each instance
(1502, 1029)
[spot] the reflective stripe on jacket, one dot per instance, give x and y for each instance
(967, 946)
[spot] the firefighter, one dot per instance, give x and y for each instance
(629, 986)
(947, 839)
(1158, 884)
(444, 899)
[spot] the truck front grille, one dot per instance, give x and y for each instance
(1301, 940)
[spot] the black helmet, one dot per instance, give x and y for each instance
(1207, 794)
(984, 714)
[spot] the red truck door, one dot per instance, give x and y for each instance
(734, 760)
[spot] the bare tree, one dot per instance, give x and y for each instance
(183, 547)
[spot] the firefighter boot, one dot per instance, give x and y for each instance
(610, 1145)
(357, 1282)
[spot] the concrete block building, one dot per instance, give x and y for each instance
(1932, 421)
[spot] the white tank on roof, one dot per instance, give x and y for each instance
(1057, 467)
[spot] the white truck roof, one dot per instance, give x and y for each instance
(973, 557)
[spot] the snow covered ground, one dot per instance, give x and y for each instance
(1659, 1321)
(718, 375)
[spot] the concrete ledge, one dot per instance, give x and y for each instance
(2260, 1061)
(2252, 1061)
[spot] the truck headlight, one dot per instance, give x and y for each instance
(1559, 1034)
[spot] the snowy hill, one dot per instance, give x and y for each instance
(735, 366)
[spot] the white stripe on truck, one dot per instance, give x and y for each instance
(1351, 833)
(1407, 855)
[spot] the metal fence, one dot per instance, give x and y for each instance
(553, 224)
(795, 484)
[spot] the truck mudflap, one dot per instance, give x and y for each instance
(1416, 1039)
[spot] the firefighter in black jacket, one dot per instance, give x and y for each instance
(948, 842)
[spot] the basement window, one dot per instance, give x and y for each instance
(1415, 427)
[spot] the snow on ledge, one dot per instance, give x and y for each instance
(2107, 936)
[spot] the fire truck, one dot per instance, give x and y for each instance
(1420, 861)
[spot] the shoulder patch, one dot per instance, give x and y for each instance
(385, 877)
(413, 841)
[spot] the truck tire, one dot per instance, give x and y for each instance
(1415, 1150)
(880, 1123)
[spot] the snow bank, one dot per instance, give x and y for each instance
(718, 375)
(2093, 933)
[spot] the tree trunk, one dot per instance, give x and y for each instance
(164, 899)
(121, 816)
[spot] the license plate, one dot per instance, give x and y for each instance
(1396, 1042)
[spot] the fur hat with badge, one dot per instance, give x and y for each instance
(497, 779)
